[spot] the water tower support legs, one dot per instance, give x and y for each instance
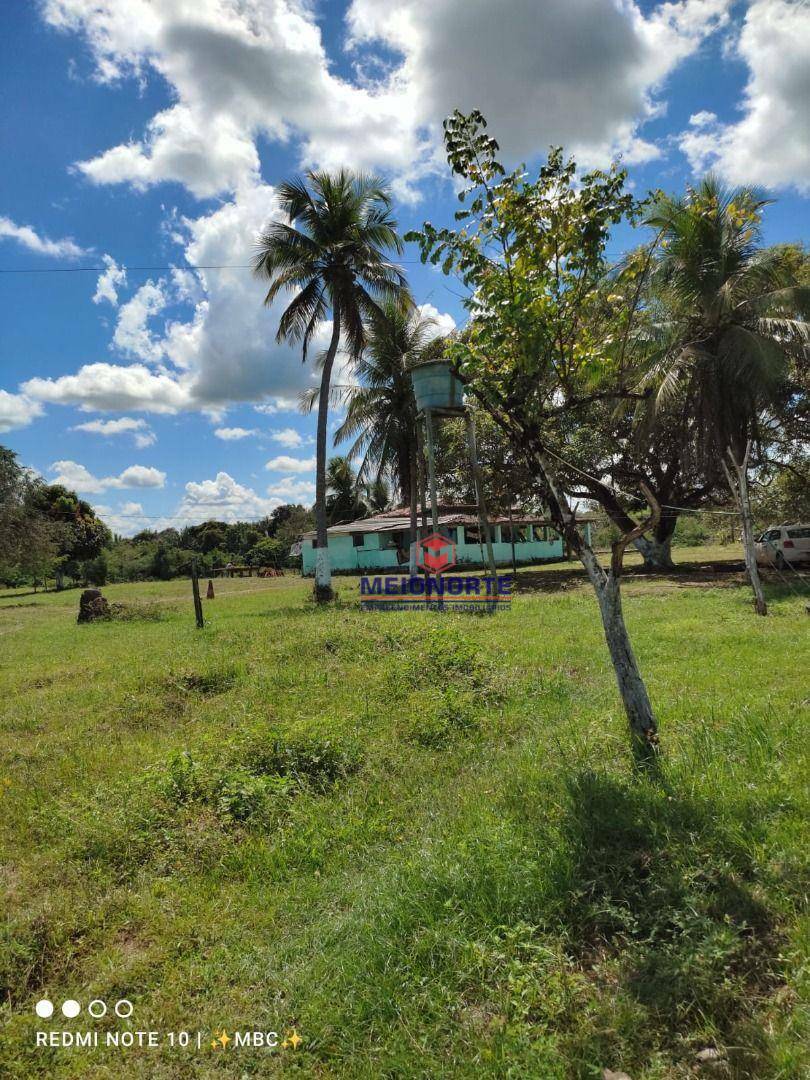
(483, 517)
(431, 454)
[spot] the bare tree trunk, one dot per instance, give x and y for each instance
(738, 482)
(606, 585)
(633, 692)
(656, 549)
(512, 534)
(323, 574)
(414, 526)
(657, 554)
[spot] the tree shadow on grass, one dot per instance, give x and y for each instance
(19, 595)
(724, 572)
(661, 890)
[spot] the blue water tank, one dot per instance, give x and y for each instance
(436, 387)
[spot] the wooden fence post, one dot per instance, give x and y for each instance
(195, 588)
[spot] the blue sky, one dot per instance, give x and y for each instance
(150, 133)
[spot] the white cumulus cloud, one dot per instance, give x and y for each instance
(222, 498)
(77, 477)
(124, 425)
(31, 240)
(291, 489)
(234, 434)
(586, 74)
(114, 388)
(133, 337)
(287, 464)
(769, 145)
(290, 438)
(17, 410)
(108, 283)
(443, 323)
(126, 519)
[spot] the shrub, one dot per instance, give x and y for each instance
(214, 681)
(452, 714)
(148, 611)
(148, 817)
(309, 761)
(242, 796)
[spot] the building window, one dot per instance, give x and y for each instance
(521, 533)
(472, 534)
(450, 532)
(358, 539)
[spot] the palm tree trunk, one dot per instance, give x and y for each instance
(323, 574)
(413, 490)
(738, 482)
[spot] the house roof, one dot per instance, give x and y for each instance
(449, 515)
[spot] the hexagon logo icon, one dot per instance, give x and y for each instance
(435, 553)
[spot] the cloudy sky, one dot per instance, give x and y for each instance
(141, 137)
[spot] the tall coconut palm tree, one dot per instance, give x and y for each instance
(380, 407)
(346, 497)
(332, 255)
(734, 318)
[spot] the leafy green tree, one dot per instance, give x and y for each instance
(290, 522)
(27, 538)
(332, 256)
(536, 352)
(784, 495)
(378, 495)
(95, 571)
(163, 566)
(78, 533)
(270, 551)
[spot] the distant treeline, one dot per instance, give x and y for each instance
(168, 553)
(48, 535)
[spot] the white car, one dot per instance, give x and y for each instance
(783, 545)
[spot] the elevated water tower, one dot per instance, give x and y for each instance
(440, 394)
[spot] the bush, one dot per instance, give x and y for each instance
(309, 761)
(691, 531)
(241, 796)
(452, 713)
(149, 611)
(159, 813)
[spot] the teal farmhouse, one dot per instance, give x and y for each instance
(382, 542)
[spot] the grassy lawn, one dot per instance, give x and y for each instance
(417, 839)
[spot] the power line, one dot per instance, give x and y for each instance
(126, 269)
(618, 491)
(146, 269)
(161, 269)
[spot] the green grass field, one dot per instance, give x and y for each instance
(416, 839)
